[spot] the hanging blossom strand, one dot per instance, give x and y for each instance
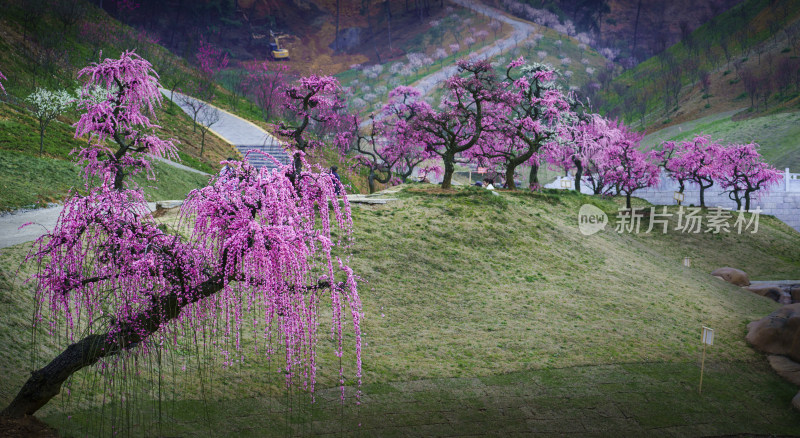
(259, 242)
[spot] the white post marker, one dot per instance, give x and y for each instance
(566, 184)
(678, 196)
(687, 261)
(707, 337)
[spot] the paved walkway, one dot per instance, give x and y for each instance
(41, 220)
(241, 133)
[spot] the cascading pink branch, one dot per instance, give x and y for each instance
(260, 254)
(1, 84)
(122, 119)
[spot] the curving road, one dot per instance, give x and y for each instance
(241, 133)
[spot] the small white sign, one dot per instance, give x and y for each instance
(708, 336)
(678, 196)
(687, 261)
(566, 184)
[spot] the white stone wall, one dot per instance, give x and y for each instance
(781, 201)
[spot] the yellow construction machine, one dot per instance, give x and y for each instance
(277, 52)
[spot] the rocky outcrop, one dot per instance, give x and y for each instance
(778, 335)
(733, 276)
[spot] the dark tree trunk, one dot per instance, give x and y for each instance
(371, 181)
(449, 169)
(533, 179)
(510, 177)
(45, 383)
(578, 174)
(336, 38)
(636, 27)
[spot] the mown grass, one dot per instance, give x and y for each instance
(494, 314)
(29, 181)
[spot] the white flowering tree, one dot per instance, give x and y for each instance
(46, 105)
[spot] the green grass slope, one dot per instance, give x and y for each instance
(49, 54)
(778, 134)
(487, 315)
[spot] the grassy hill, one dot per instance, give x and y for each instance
(482, 314)
(47, 53)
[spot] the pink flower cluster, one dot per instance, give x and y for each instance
(259, 254)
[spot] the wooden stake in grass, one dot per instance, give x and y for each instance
(707, 337)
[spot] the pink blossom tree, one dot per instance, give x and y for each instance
(700, 158)
(265, 82)
(458, 125)
(404, 144)
(119, 286)
(530, 112)
(743, 173)
(313, 100)
(670, 157)
(1, 84)
(628, 168)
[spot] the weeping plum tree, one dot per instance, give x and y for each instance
(118, 285)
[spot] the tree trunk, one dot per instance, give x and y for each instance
(746, 201)
(628, 201)
(45, 383)
(371, 181)
(510, 168)
(702, 195)
(336, 37)
(636, 28)
(533, 179)
(449, 169)
(41, 141)
(578, 174)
